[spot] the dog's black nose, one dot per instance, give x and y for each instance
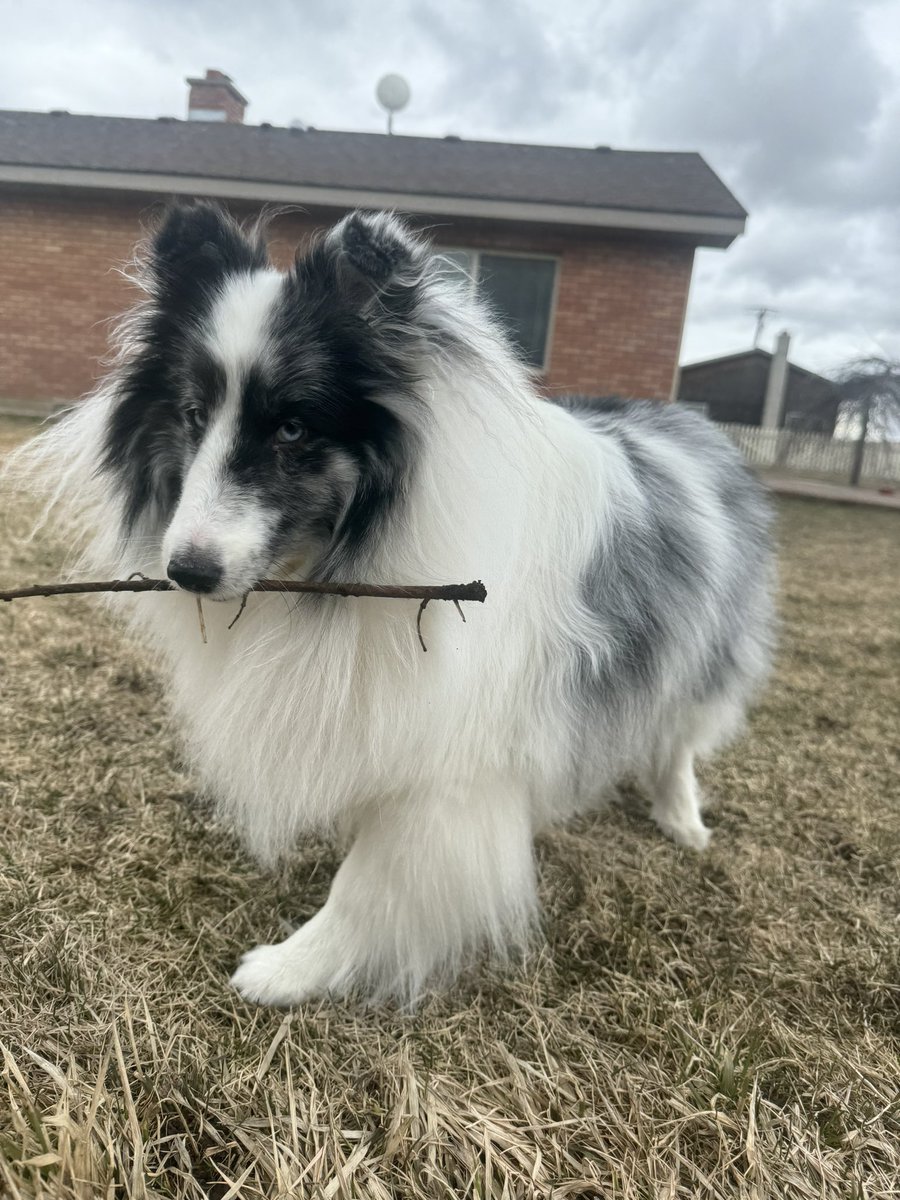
(195, 572)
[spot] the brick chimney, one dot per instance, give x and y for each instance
(215, 98)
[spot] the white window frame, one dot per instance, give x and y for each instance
(474, 274)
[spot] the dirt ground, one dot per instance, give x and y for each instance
(721, 1025)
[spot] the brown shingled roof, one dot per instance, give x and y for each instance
(648, 181)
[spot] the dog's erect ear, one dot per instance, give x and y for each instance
(376, 252)
(196, 246)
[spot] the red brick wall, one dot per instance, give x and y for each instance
(57, 291)
(206, 98)
(617, 324)
(619, 317)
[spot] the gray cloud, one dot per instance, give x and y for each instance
(795, 102)
(791, 92)
(517, 74)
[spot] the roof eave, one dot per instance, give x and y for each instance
(702, 229)
(758, 352)
(754, 351)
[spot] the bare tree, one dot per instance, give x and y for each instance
(870, 394)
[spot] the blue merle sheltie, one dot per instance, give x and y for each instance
(363, 417)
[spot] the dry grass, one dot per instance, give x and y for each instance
(718, 1026)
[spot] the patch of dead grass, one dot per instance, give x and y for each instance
(723, 1026)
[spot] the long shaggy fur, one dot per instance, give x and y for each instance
(361, 417)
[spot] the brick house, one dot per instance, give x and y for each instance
(587, 253)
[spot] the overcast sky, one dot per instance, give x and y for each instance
(795, 103)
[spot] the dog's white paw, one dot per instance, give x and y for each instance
(694, 835)
(265, 976)
(298, 969)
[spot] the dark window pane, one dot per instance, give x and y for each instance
(521, 291)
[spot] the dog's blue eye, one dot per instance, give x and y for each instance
(196, 418)
(290, 431)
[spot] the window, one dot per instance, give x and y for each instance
(518, 288)
(697, 406)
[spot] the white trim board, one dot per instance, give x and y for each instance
(707, 230)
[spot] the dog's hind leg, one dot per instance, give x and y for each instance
(675, 799)
(426, 882)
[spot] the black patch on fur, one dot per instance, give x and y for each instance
(194, 250)
(650, 581)
(334, 355)
(376, 254)
(343, 335)
(632, 584)
(190, 256)
(671, 543)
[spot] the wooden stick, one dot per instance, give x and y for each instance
(475, 591)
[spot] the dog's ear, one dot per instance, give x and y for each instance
(376, 253)
(195, 247)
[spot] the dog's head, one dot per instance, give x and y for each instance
(258, 415)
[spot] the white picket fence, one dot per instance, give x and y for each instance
(814, 453)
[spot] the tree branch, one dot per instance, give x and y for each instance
(475, 591)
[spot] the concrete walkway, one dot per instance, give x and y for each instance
(814, 489)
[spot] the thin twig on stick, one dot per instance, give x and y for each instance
(200, 617)
(419, 623)
(234, 620)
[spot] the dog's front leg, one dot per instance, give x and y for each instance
(426, 883)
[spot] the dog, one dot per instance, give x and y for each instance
(363, 417)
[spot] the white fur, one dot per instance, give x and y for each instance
(436, 767)
(212, 515)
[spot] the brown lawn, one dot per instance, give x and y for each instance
(725, 1025)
